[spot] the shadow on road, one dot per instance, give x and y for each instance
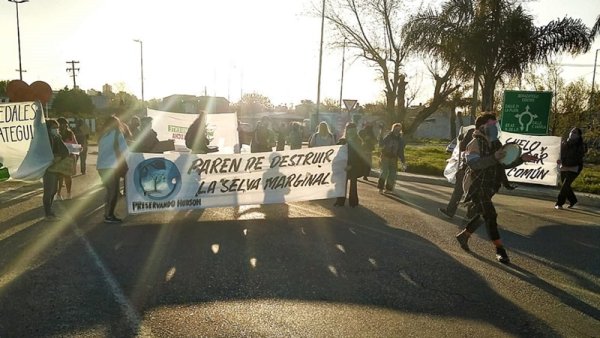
(353, 257)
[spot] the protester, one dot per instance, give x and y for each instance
(82, 134)
(50, 179)
(111, 163)
(367, 134)
(146, 138)
(196, 137)
(322, 137)
(68, 136)
(356, 166)
(392, 149)
(281, 136)
(483, 178)
(572, 151)
(134, 126)
(295, 136)
(264, 138)
(463, 140)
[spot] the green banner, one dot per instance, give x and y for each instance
(526, 112)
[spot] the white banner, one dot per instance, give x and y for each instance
(543, 171)
(221, 128)
(24, 144)
(179, 181)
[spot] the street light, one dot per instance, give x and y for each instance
(320, 63)
(17, 2)
(141, 64)
(593, 80)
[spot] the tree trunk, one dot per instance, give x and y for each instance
(487, 96)
(453, 123)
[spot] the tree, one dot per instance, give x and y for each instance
(492, 39)
(3, 85)
(330, 105)
(373, 30)
(253, 103)
(72, 102)
(595, 28)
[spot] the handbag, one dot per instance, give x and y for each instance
(62, 166)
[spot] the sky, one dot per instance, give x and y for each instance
(223, 48)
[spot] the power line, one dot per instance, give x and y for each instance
(73, 69)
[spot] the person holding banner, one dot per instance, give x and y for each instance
(483, 177)
(111, 163)
(322, 137)
(392, 149)
(356, 163)
(68, 137)
(572, 151)
(50, 179)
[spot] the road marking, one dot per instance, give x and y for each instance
(133, 319)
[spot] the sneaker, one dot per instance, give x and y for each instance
(445, 213)
(463, 239)
(388, 191)
(58, 197)
(570, 206)
(68, 196)
(502, 256)
(112, 219)
(558, 207)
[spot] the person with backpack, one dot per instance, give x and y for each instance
(450, 210)
(483, 178)
(392, 148)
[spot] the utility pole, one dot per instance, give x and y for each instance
(73, 69)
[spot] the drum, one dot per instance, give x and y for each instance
(512, 153)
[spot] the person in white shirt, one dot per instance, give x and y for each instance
(111, 163)
(323, 137)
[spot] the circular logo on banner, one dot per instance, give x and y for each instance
(157, 178)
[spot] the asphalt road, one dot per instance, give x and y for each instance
(389, 268)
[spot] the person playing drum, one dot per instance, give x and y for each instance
(483, 178)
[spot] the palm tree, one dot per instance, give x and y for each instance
(489, 40)
(595, 28)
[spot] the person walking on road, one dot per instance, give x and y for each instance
(111, 163)
(367, 134)
(68, 136)
(392, 149)
(572, 151)
(50, 178)
(356, 164)
(457, 194)
(82, 134)
(483, 177)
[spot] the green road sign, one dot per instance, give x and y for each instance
(526, 112)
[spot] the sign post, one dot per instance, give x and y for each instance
(526, 112)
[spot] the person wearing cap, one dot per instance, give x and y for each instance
(483, 177)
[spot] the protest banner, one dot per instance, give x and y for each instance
(221, 129)
(544, 171)
(180, 181)
(24, 144)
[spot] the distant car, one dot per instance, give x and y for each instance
(450, 147)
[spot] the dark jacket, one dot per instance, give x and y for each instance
(392, 146)
(356, 159)
(572, 153)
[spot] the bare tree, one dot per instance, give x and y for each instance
(372, 28)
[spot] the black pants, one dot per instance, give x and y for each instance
(457, 193)
(566, 192)
(83, 158)
(110, 180)
(50, 182)
(483, 205)
(352, 194)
